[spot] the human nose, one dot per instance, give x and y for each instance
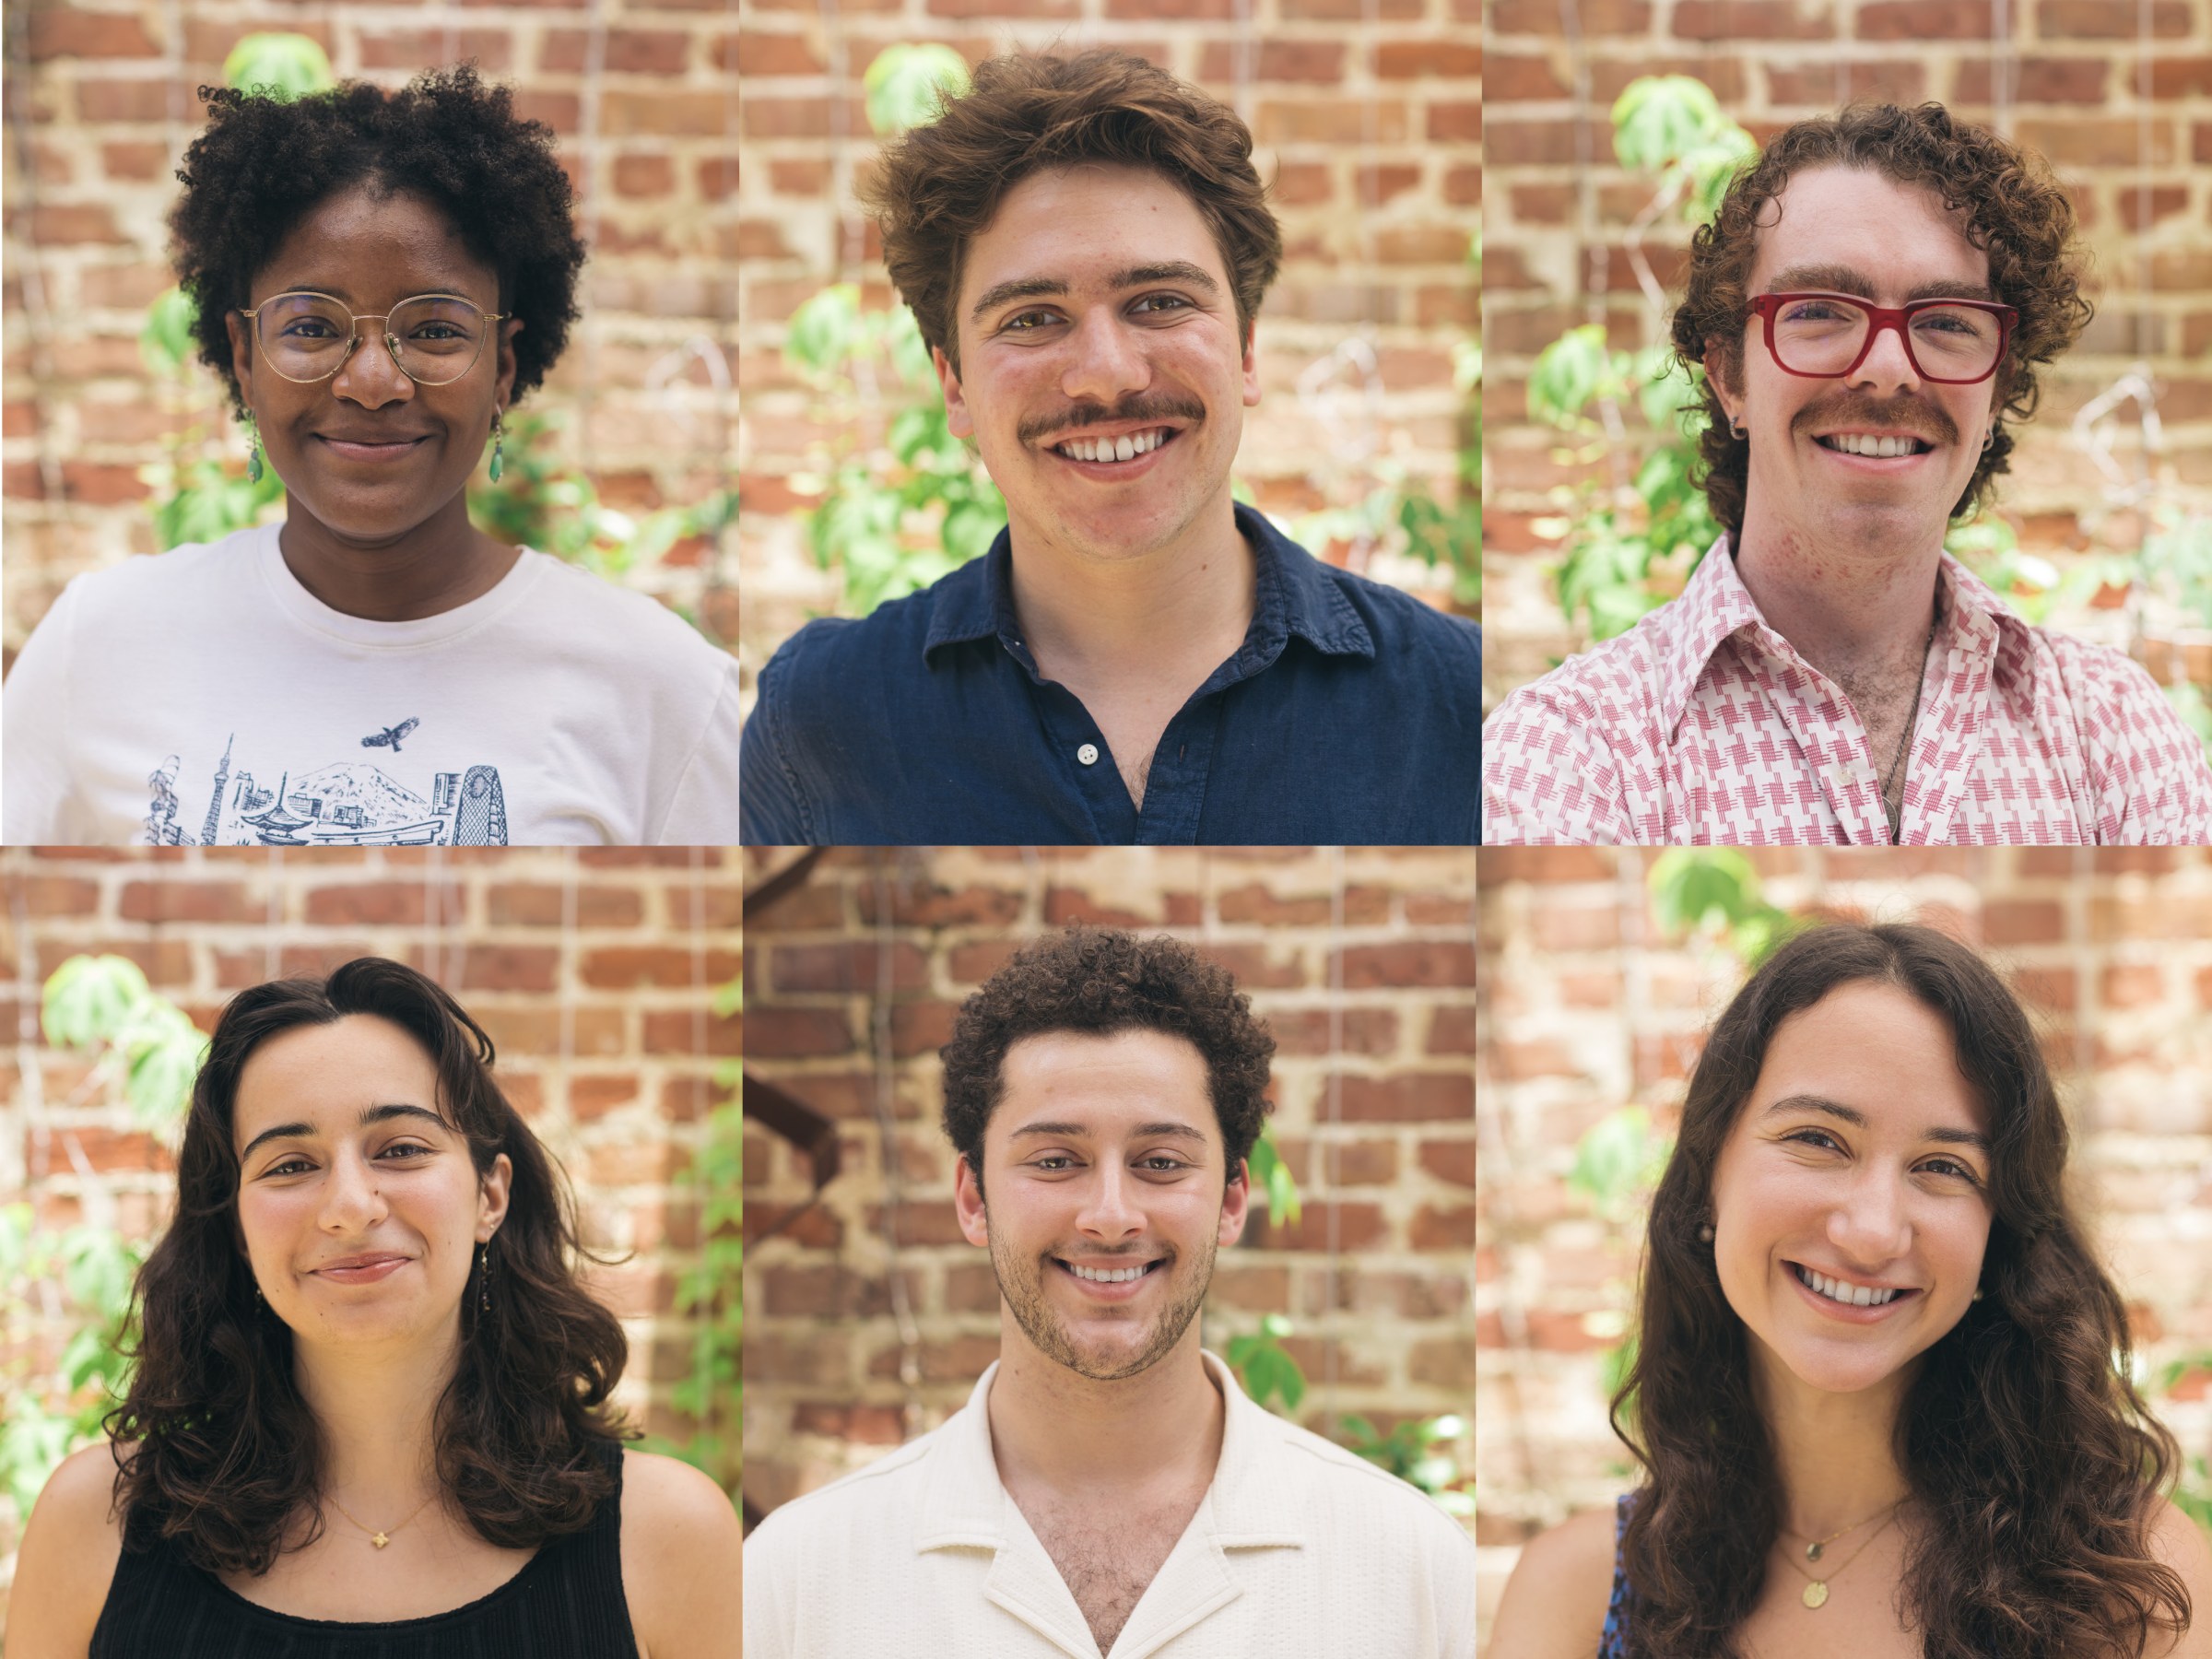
(1105, 361)
(1885, 361)
(1108, 1210)
(351, 1201)
(1869, 1226)
(370, 374)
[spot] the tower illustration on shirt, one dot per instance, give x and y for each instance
(349, 802)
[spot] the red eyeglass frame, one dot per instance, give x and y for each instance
(1879, 317)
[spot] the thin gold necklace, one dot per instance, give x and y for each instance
(1904, 745)
(381, 1538)
(1815, 1593)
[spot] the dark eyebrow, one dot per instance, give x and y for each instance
(1857, 1119)
(374, 1114)
(1083, 1131)
(1843, 279)
(1033, 288)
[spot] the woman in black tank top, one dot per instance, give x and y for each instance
(371, 1418)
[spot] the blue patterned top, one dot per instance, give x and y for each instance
(1612, 1644)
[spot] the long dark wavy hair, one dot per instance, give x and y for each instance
(228, 1456)
(2035, 1462)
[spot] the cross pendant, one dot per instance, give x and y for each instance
(380, 1539)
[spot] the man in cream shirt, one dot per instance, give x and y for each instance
(1108, 1492)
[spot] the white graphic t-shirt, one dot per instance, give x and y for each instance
(203, 697)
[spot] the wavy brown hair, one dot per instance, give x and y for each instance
(228, 1456)
(2034, 1461)
(940, 186)
(1101, 980)
(2013, 209)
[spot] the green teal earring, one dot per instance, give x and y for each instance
(253, 453)
(496, 439)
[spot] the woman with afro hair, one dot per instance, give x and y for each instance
(379, 277)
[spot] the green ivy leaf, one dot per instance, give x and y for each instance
(907, 85)
(1569, 372)
(283, 66)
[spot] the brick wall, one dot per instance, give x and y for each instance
(1367, 119)
(606, 1041)
(2073, 75)
(1587, 1007)
(108, 98)
(1374, 1111)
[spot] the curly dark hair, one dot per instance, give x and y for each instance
(228, 1452)
(2024, 1442)
(941, 184)
(1101, 980)
(263, 163)
(2015, 211)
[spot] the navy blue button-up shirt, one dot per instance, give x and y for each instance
(1351, 712)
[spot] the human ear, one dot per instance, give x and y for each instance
(1718, 364)
(242, 352)
(505, 378)
(493, 1193)
(957, 419)
(968, 1202)
(1236, 1204)
(1252, 364)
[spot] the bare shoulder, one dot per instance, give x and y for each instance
(681, 1546)
(67, 1558)
(2178, 1541)
(1553, 1605)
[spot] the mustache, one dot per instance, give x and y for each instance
(1923, 420)
(1092, 414)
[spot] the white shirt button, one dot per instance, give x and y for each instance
(1088, 754)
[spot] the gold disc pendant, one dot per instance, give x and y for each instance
(1815, 1593)
(380, 1539)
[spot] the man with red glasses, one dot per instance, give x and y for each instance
(1868, 307)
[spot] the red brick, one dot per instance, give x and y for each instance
(378, 904)
(2109, 19)
(1450, 1161)
(1409, 963)
(921, 1028)
(799, 177)
(1255, 902)
(1307, 1032)
(926, 904)
(2036, 80)
(1357, 1227)
(188, 901)
(528, 905)
(956, 1359)
(509, 968)
(1446, 58)
(56, 31)
(1597, 17)
(761, 54)
(53, 896)
(773, 1033)
(644, 177)
(626, 51)
(855, 965)
(1448, 1362)
(690, 1031)
(117, 1150)
(1330, 120)
(1318, 60)
(2106, 141)
(1733, 20)
(1892, 80)
(1452, 1029)
(2022, 922)
(1438, 1228)
(622, 968)
(1903, 20)
(1515, 79)
(431, 48)
(592, 1095)
(2179, 77)
(1406, 1097)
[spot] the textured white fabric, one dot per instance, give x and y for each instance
(1299, 1550)
(203, 695)
(1703, 725)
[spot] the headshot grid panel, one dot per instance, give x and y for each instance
(602, 981)
(1342, 1306)
(1352, 433)
(571, 394)
(1661, 1156)
(1612, 134)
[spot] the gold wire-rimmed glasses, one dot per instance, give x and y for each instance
(433, 338)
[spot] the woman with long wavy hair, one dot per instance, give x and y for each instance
(1880, 1393)
(371, 1414)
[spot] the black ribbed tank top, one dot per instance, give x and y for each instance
(566, 1602)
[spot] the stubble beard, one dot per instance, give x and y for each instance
(1021, 1284)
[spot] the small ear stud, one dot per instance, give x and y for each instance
(1705, 1233)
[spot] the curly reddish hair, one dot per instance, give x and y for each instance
(2014, 210)
(939, 186)
(1101, 980)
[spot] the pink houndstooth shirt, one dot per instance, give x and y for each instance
(1702, 726)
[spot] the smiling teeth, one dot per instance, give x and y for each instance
(1124, 448)
(1857, 1295)
(1120, 1277)
(1853, 444)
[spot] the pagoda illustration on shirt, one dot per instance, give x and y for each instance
(344, 804)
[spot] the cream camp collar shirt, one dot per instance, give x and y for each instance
(1299, 1549)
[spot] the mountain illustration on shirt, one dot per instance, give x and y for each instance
(346, 803)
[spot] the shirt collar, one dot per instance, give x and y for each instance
(1255, 1496)
(1716, 606)
(1293, 594)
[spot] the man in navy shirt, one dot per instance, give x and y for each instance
(1084, 242)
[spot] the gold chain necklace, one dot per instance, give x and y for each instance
(1904, 745)
(381, 1538)
(1815, 1593)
